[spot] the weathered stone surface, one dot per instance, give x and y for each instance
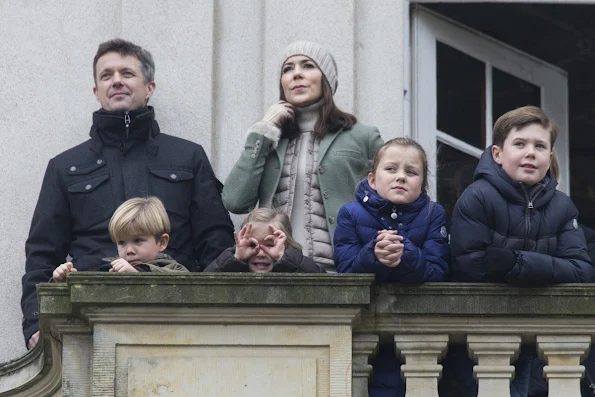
(220, 289)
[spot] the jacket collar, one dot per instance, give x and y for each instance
(516, 192)
(124, 129)
(377, 205)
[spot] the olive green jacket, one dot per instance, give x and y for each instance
(162, 264)
(343, 160)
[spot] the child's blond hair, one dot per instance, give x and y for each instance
(278, 219)
(139, 216)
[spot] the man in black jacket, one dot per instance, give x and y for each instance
(127, 156)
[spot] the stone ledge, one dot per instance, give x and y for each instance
(241, 289)
(484, 300)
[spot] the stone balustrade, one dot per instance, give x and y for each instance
(290, 335)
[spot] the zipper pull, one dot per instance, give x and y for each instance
(530, 205)
(127, 122)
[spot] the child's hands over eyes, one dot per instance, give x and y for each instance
(122, 266)
(246, 245)
(389, 248)
(274, 244)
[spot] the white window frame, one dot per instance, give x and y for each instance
(427, 27)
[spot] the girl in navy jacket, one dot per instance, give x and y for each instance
(394, 231)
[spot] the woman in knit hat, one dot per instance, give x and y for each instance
(305, 157)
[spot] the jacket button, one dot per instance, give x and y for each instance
(325, 194)
(331, 219)
(173, 176)
(73, 168)
(88, 187)
(321, 169)
(99, 161)
(382, 218)
(253, 156)
(400, 224)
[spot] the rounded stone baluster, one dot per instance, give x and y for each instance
(364, 345)
(493, 355)
(563, 354)
(421, 370)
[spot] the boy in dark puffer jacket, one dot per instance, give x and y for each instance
(511, 225)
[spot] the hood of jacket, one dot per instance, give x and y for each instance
(378, 206)
(516, 192)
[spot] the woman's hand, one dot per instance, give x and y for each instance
(246, 245)
(274, 244)
(279, 113)
(61, 271)
(389, 248)
(122, 266)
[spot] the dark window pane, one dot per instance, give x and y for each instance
(461, 95)
(454, 173)
(510, 92)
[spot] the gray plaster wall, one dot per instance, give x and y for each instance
(217, 70)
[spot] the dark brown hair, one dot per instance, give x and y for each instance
(127, 48)
(405, 142)
(330, 117)
(520, 118)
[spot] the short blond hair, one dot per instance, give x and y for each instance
(139, 216)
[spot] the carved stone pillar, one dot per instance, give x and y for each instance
(364, 345)
(493, 354)
(563, 354)
(421, 370)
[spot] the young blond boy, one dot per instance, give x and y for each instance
(140, 228)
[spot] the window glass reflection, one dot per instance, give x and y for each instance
(460, 95)
(454, 173)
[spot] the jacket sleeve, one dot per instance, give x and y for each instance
(212, 229)
(170, 268)
(430, 261)
(571, 264)
(47, 245)
(293, 261)
(240, 192)
(470, 237)
(227, 262)
(351, 256)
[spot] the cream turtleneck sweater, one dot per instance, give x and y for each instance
(306, 119)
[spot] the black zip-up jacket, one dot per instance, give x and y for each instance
(127, 156)
(538, 222)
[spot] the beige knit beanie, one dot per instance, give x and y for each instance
(318, 54)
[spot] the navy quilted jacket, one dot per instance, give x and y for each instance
(538, 222)
(421, 223)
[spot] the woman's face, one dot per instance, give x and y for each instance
(301, 81)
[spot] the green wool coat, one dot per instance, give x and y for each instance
(343, 160)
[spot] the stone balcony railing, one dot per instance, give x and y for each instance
(289, 335)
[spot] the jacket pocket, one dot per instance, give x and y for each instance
(173, 186)
(91, 201)
(349, 153)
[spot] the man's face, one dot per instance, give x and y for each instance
(119, 83)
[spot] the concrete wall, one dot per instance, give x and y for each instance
(217, 70)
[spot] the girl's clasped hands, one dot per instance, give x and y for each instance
(389, 248)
